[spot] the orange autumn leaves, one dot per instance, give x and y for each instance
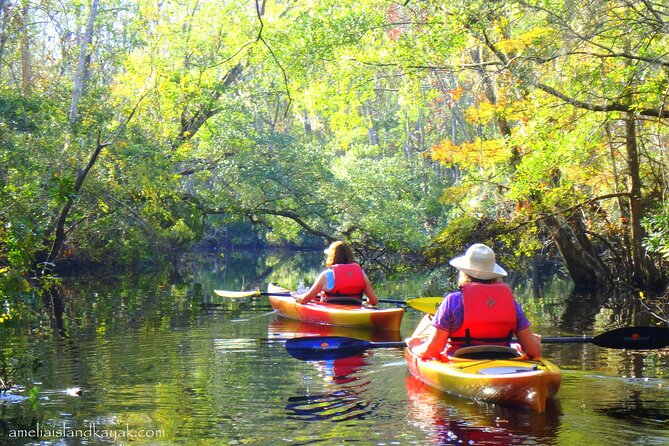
(479, 152)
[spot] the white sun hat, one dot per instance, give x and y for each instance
(479, 262)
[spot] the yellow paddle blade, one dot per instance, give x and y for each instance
(425, 304)
(237, 294)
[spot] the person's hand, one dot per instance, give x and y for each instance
(297, 296)
(421, 351)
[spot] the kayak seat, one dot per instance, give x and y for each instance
(487, 352)
(343, 300)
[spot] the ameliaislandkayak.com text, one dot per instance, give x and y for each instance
(91, 432)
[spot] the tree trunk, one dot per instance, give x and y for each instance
(81, 65)
(623, 207)
(4, 12)
(489, 88)
(644, 273)
(59, 230)
(26, 62)
(582, 261)
(192, 121)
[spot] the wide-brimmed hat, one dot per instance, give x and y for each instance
(479, 262)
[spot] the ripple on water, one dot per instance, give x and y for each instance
(10, 398)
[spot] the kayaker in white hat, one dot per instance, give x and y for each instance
(482, 312)
(343, 282)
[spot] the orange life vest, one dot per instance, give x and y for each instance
(349, 283)
(489, 316)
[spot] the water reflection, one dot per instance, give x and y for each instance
(581, 310)
(639, 411)
(145, 353)
(450, 420)
(336, 406)
(347, 382)
(284, 328)
(347, 379)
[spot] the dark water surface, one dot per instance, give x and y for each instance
(150, 362)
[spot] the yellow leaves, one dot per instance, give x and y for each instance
(104, 207)
(455, 194)
(524, 41)
(7, 313)
(484, 113)
(478, 153)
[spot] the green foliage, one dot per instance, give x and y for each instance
(398, 127)
(657, 229)
(18, 112)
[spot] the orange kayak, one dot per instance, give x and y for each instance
(283, 328)
(512, 379)
(335, 314)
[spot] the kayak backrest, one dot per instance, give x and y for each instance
(486, 352)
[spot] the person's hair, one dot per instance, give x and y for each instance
(465, 278)
(339, 252)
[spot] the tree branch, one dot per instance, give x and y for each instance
(260, 11)
(570, 209)
(297, 219)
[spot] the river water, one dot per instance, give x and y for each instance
(139, 360)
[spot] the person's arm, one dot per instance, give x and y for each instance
(433, 347)
(312, 292)
(530, 342)
(442, 321)
(369, 292)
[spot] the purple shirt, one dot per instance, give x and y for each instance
(451, 314)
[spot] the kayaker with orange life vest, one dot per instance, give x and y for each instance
(483, 311)
(343, 281)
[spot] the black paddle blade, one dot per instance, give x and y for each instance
(325, 347)
(634, 338)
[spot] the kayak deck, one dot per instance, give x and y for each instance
(335, 314)
(517, 381)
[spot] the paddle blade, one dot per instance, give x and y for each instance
(634, 338)
(325, 347)
(427, 305)
(237, 294)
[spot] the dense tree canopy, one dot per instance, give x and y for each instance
(131, 129)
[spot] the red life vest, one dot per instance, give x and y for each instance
(489, 315)
(349, 283)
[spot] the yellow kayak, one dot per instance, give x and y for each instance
(472, 372)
